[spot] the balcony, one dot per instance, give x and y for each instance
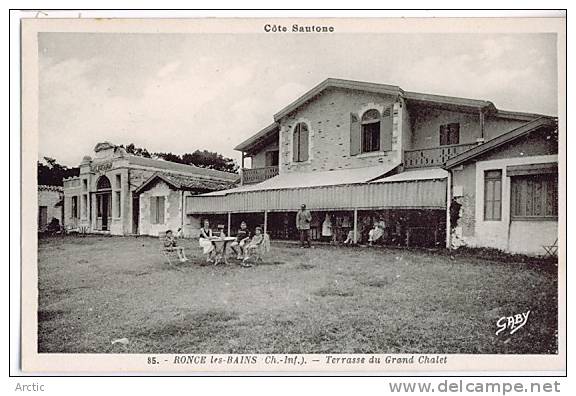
(433, 157)
(257, 175)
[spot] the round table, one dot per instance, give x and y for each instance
(219, 244)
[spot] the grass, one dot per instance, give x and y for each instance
(93, 290)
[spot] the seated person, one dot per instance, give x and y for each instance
(349, 238)
(170, 244)
(376, 232)
(204, 241)
(254, 244)
(242, 238)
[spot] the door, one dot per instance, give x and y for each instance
(42, 217)
(135, 214)
(105, 211)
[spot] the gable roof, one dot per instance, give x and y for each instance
(261, 137)
(447, 102)
(176, 167)
(542, 122)
(181, 182)
(338, 83)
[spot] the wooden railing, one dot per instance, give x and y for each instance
(435, 156)
(257, 175)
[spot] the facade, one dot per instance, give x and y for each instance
(114, 191)
(358, 153)
(49, 205)
(505, 192)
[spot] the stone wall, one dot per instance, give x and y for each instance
(328, 119)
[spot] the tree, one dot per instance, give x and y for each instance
(53, 174)
(200, 158)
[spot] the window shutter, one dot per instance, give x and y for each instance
(304, 136)
(161, 210)
(454, 137)
(296, 143)
(443, 135)
(153, 211)
(355, 134)
(386, 130)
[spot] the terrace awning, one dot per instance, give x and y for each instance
(421, 189)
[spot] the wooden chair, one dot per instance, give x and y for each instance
(169, 253)
(259, 251)
(551, 250)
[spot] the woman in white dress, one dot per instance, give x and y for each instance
(204, 240)
(327, 228)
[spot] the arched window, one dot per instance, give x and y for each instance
(371, 131)
(103, 183)
(300, 142)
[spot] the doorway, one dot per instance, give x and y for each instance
(135, 214)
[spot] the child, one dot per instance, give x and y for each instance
(170, 244)
(254, 245)
(242, 238)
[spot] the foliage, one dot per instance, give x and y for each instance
(52, 173)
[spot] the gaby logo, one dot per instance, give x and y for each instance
(512, 323)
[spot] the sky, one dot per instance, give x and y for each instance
(182, 92)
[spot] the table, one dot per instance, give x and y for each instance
(219, 244)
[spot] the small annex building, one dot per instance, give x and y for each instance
(121, 194)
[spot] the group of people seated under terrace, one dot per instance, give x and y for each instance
(245, 245)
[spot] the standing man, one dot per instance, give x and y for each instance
(303, 219)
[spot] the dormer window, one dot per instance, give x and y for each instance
(449, 134)
(300, 142)
(371, 131)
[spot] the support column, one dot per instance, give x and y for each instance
(229, 221)
(265, 221)
(355, 225)
(448, 204)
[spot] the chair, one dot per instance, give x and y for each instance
(551, 250)
(168, 252)
(259, 251)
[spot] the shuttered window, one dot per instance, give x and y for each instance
(493, 195)
(534, 197)
(157, 210)
(300, 142)
(355, 134)
(449, 134)
(371, 131)
(386, 127)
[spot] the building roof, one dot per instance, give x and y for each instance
(258, 139)
(414, 175)
(182, 182)
(44, 187)
(314, 179)
(176, 167)
(447, 102)
(542, 122)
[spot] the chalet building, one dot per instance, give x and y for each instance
(357, 153)
(50, 205)
(121, 194)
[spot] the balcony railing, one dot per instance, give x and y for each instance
(257, 175)
(435, 156)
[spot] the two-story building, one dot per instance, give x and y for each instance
(356, 153)
(121, 194)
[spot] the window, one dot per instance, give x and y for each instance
(449, 134)
(300, 142)
(74, 207)
(534, 197)
(371, 131)
(84, 206)
(272, 158)
(118, 182)
(118, 204)
(157, 210)
(103, 183)
(84, 185)
(493, 195)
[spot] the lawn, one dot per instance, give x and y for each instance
(93, 290)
